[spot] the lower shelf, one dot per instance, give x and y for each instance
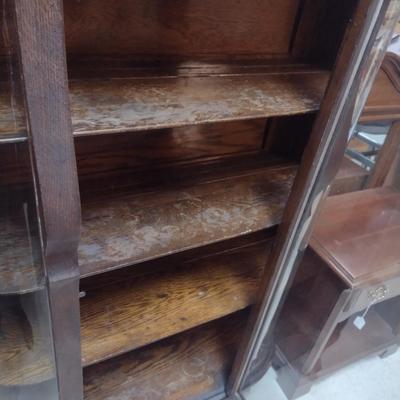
(193, 365)
(128, 309)
(133, 311)
(350, 344)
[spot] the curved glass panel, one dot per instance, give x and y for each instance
(26, 352)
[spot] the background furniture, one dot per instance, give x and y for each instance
(382, 110)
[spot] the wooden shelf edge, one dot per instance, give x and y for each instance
(192, 365)
(131, 229)
(106, 106)
(132, 312)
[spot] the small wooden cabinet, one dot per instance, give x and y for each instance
(159, 161)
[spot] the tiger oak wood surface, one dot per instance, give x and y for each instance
(132, 104)
(127, 229)
(128, 309)
(192, 365)
(358, 234)
(133, 312)
(182, 29)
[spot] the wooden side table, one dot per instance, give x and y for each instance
(353, 263)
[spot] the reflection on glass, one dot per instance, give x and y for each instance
(26, 354)
(340, 318)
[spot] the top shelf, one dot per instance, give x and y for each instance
(115, 105)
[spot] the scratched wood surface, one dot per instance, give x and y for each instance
(126, 309)
(124, 105)
(133, 312)
(118, 105)
(192, 365)
(129, 229)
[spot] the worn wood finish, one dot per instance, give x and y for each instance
(129, 229)
(133, 312)
(119, 309)
(357, 235)
(132, 104)
(350, 178)
(120, 105)
(41, 54)
(190, 366)
(124, 227)
(179, 30)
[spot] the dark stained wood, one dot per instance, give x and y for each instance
(121, 105)
(128, 229)
(132, 104)
(41, 55)
(133, 307)
(117, 154)
(350, 178)
(358, 233)
(133, 312)
(177, 30)
(190, 366)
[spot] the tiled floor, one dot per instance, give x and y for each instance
(370, 379)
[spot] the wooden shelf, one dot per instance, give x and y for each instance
(130, 104)
(130, 229)
(193, 365)
(125, 310)
(351, 344)
(358, 233)
(133, 312)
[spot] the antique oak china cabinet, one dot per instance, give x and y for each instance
(161, 164)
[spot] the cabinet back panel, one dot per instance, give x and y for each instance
(180, 28)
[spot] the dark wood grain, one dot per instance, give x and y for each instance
(41, 55)
(132, 228)
(120, 105)
(133, 312)
(132, 307)
(357, 235)
(179, 29)
(124, 105)
(193, 365)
